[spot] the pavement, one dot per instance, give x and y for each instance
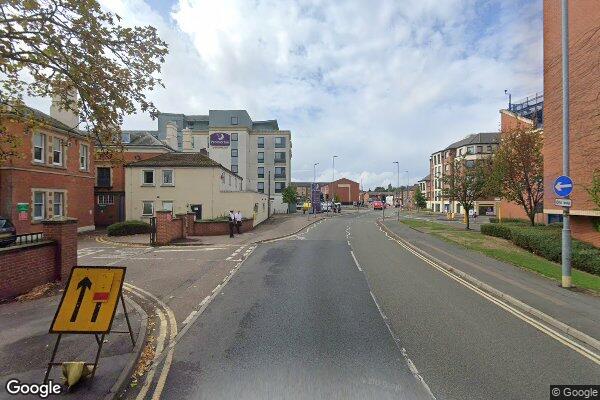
(26, 348)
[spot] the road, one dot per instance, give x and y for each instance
(342, 312)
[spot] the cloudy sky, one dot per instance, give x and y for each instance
(370, 81)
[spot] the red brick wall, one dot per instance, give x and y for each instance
(583, 229)
(584, 18)
(219, 228)
(24, 267)
(19, 175)
(346, 196)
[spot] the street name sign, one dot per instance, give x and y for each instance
(562, 202)
(90, 299)
(563, 186)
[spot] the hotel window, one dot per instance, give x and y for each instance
(279, 157)
(234, 169)
(168, 177)
(103, 176)
(260, 187)
(148, 177)
(83, 157)
(234, 120)
(147, 208)
(39, 146)
(58, 204)
(261, 156)
(234, 137)
(39, 205)
(279, 172)
(261, 172)
(279, 186)
(106, 199)
(234, 152)
(261, 142)
(279, 141)
(57, 151)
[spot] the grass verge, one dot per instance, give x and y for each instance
(504, 250)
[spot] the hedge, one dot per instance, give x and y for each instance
(545, 241)
(495, 220)
(128, 228)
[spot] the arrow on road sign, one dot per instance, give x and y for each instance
(560, 186)
(563, 186)
(96, 311)
(83, 285)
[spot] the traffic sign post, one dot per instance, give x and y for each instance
(88, 306)
(563, 186)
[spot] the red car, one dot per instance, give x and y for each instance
(378, 205)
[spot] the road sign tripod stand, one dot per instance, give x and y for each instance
(99, 341)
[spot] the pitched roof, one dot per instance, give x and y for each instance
(143, 138)
(476, 138)
(427, 178)
(196, 160)
(47, 119)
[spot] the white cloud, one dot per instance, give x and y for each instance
(373, 82)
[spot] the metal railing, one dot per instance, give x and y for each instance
(28, 238)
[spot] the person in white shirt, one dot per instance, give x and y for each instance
(238, 221)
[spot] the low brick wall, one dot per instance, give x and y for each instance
(219, 228)
(169, 228)
(26, 266)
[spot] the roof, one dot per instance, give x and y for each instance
(427, 178)
(298, 184)
(195, 160)
(53, 122)
(476, 138)
(143, 138)
(270, 125)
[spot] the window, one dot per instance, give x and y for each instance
(279, 157)
(125, 137)
(57, 151)
(234, 152)
(470, 150)
(261, 172)
(261, 156)
(148, 177)
(279, 186)
(147, 208)
(479, 149)
(229, 180)
(103, 177)
(279, 141)
(58, 204)
(460, 152)
(39, 147)
(489, 149)
(234, 120)
(106, 199)
(167, 205)
(470, 163)
(83, 157)
(234, 137)
(279, 172)
(260, 186)
(261, 142)
(234, 169)
(167, 177)
(39, 205)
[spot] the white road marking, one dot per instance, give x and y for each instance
(356, 261)
(188, 249)
(507, 307)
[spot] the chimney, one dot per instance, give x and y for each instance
(67, 117)
(171, 139)
(187, 140)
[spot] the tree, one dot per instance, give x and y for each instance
(594, 189)
(419, 199)
(468, 181)
(289, 195)
(58, 48)
(337, 198)
(518, 169)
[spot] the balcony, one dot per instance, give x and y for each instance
(280, 160)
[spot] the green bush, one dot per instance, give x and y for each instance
(497, 230)
(495, 220)
(546, 242)
(128, 228)
(596, 222)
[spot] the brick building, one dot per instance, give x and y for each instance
(53, 178)
(109, 187)
(347, 190)
(584, 17)
(425, 187)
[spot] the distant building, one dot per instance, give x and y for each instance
(347, 190)
(254, 150)
(55, 176)
(425, 188)
(109, 188)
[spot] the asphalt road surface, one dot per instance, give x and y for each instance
(301, 320)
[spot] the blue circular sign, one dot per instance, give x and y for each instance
(563, 186)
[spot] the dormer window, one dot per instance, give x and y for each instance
(234, 121)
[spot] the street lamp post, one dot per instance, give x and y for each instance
(397, 188)
(312, 191)
(566, 231)
(332, 180)
(407, 190)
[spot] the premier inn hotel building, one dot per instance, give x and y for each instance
(254, 150)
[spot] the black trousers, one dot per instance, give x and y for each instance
(238, 225)
(231, 228)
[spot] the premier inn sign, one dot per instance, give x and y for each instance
(219, 139)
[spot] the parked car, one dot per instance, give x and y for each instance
(378, 205)
(8, 232)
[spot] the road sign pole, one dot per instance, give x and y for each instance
(566, 231)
